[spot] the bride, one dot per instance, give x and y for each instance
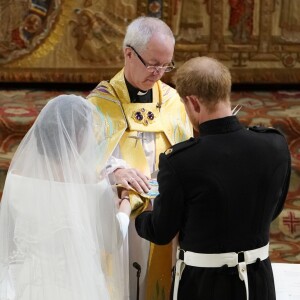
(63, 230)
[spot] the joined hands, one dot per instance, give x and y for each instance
(132, 178)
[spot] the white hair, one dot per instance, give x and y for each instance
(140, 31)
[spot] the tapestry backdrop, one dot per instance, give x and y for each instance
(80, 40)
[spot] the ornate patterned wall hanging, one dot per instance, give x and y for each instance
(81, 40)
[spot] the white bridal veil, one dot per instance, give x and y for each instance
(60, 238)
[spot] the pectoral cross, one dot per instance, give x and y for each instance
(158, 106)
(139, 136)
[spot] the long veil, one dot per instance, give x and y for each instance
(60, 237)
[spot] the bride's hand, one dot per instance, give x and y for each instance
(125, 206)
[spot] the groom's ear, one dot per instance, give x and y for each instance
(194, 101)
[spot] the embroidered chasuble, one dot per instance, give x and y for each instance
(125, 121)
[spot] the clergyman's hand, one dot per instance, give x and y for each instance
(132, 178)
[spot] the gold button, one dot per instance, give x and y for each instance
(170, 150)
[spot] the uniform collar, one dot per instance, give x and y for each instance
(221, 125)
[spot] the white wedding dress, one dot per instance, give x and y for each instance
(60, 239)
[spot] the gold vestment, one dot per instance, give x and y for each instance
(166, 117)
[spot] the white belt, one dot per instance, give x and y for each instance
(231, 259)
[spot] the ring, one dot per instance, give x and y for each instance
(129, 180)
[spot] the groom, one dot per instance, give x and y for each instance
(220, 192)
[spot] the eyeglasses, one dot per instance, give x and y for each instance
(166, 68)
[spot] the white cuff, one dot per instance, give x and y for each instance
(113, 164)
(124, 223)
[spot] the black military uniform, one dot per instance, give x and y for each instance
(221, 191)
